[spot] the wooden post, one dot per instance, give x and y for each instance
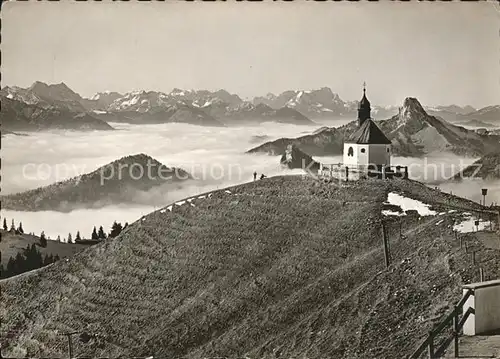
(461, 242)
(481, 275)
(400, 229)
(431, 345)
(346, 173)
(70, 345)
(386, 246)
(455, 331)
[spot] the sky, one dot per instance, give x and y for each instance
(441, 53)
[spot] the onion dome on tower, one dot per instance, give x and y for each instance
(364, 109)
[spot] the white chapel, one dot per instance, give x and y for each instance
(367, 146)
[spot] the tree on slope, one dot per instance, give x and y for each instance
(94, 234)
(33, 258)
(78, 237)
(13, 226)
(5, 224)
(70, 238)
(43, 240)
(20, 228)
(116, 229)
(29, 260)
(101, 234)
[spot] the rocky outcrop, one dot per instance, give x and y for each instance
(295, 158)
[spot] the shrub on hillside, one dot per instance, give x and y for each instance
(29, 260)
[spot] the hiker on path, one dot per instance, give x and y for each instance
(255, 175)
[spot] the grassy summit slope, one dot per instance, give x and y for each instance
(282, 267)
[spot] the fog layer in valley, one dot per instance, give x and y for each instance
(214, 156)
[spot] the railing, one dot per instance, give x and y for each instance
(347, 171)
(436, 351)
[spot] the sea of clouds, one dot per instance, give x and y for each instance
(216, 156)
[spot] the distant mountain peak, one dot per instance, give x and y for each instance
(139, 159)
(411, 106)
(38, 83)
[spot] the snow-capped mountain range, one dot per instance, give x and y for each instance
(293, 106)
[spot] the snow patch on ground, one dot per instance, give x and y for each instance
(407, 204)
(180, 203)
(388, 212)
(468, 225)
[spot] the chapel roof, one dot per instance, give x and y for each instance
(368, 133)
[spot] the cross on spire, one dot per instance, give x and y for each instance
(364, 86)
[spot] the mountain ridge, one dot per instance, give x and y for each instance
(413, 132)
(108, 184)
(225, 107)
(19, 116)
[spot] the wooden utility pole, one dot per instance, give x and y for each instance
(481, 275)
(400, 229)
(70, 343)
(386, 246)
(431, 345)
